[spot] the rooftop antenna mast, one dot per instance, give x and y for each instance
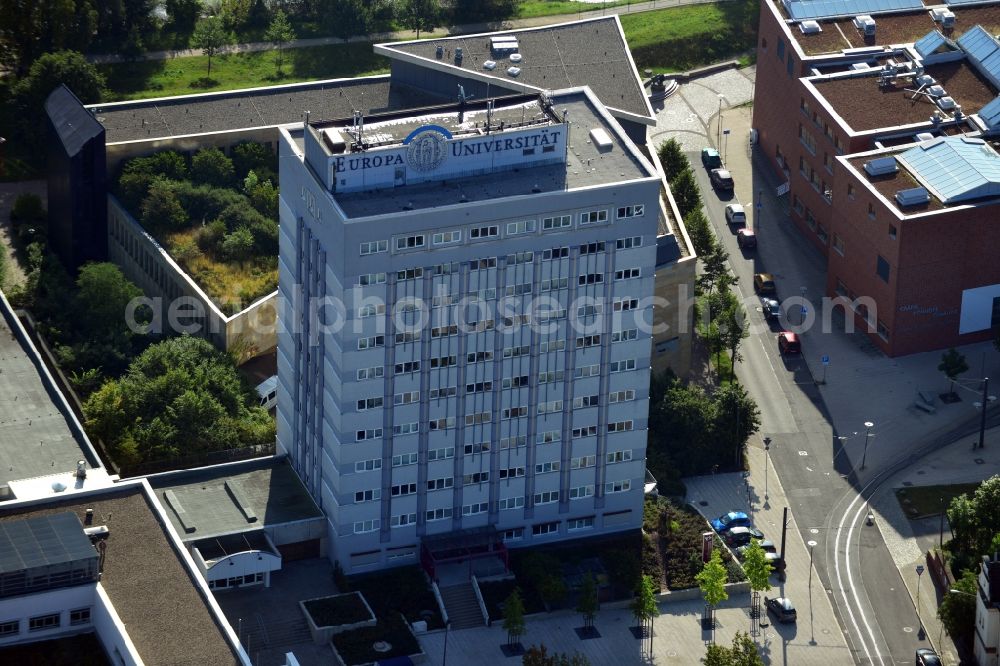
(462, 101)
(357, 130)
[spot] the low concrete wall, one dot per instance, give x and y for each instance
(440, 602)
(479, 598)
(322, 635)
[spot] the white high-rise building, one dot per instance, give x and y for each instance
(466, 330)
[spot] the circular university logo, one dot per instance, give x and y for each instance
(426, 151)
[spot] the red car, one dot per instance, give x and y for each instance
(788, 343)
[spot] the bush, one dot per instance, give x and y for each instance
(205, 202)
(337, 610)
(161, 210)
(251, 156)
(210, 166)
(238, 245)
(27, 208)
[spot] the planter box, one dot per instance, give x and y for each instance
(322, 634)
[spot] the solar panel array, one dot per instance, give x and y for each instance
(965, 2)
(990, 114)
(956, 169)
(984, 51)
(815, 9)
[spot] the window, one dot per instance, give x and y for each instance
(367, 496)
(520, 227)
(588, 341)
(850, 191)
(368, 465)
(407, 336)
(476, 508)
(409, 274)
(371, 342)
(444, 361)
(871, 210)
(520, 258)
(892, 232)
(797, 205)
(581, 492)
(625, 336)
(561, 222)
(545, 528)
(438, 514)
(369, 403)
(580, 523)
(587, 371)
(621, 396)
(409, 242)
(482, 264)
(373, 372)
(625, 304)
(374, 247)
(403, 520)
(631, 211)
(441, 454)
(589, 310)
(592, 248)
(476, 357)
(546, 467)
(43, 622)
(620, 426)
(807, 139)
(619, 456)
(10, 628)
(372, 433)
(370, 279)
(586, 401)
(514, 412)
(512, 473)
(593, 217)
(781, 49)
(447, 237)
(513, 442)
(404, 459)
(791, 65)
(550, 406)
(628, 243)
(505, 503)
(481, 387)
(618, 486)
(490, 231)
(407, 397)
(622, 366)
(477, 418)
(583, 462)
(585, 431)
(407, 367)
(551, 346)
(591, 278)
(548, 437)
(514, 352)
(882, 268)
(555, 253)
(838, 244)
(547, 497)
(512, 382)
(514, 534)
(444, 331)
(404, 489)
(363, 526)
(628, 273)
(478, 447)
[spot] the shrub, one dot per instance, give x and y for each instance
(204, 202)
(264, 197)
(238, 245)
(210, 166)
(251, 156)
(27, 208)
(161, 210)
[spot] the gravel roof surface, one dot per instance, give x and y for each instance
(889, 184)
(152, 591)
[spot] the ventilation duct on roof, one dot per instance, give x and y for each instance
(944, 16)
(881, 166)
(865, 25)
(810, 28)
(489, 65)
(913, 196)
(513, 71)
(946, 103)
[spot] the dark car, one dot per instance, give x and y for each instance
(721, 179)
(740, 536)
(788, 343)
(730, 520)
(746, 239)
(927, 657)
(766, 544)
(781, 608)
(763, 284)
(770, 307)
(710, 158)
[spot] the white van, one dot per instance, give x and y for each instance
(268, 392)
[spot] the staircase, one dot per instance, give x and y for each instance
(462, 606)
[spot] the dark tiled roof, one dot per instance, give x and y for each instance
(69, 117)
(257, 107)
(151, 589)
(584, 53)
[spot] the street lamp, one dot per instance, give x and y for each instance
(767, 456)
(718, 140)
(921, 633)
(868, 431)
(811, 544)
(982, 406)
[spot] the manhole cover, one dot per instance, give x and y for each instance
(381, 646)
(702, 503)
(813, 530)
(826, 631)
(908, 630)
(803, 453)
(979, 461)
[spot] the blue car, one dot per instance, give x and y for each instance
(732, 519)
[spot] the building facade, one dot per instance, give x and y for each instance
(463, 342)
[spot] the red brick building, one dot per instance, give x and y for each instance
(830, 98)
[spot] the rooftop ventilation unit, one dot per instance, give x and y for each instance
(458, 54)
(601, 139)
(946, 103)
(860, 66)
(912, 197)
(810, 27)
(513, 71)
(516, 57)
(944, 16)
(935, 91)
(925, 136)
(490, 65)
(504, 44)
(881, 166)
(925, 80)
(865, 25)
(439, 51)
(334, 140)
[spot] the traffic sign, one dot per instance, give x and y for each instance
(920, 569)
(825, 360)
(725, 131)
(804, 310)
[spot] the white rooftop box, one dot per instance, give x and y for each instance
(944, 16)
(489, 65)
(860, 66)
(865, 24)
(810, 27)
(912, 197)
(513, 71)
(881, 166)
(946, 103)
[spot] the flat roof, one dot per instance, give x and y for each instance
(142, 120)
(889, 184)
(151, 588)
(903, 28)
(43, 541)
(591, 52)
(585, 166)
(240, 497)
(864, 105)
(39, 435)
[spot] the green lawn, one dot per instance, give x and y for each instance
(182, 76)
(923, 501)
(534, 8)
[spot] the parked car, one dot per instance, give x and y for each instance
(746, 238)
(770, 307)
(721, 179)
(740, 536)
(710, 158)
(788, 343)
(730, 520)
(763, 284)
(781, 608)
(736, 216)
(766, 544)
(927, 657)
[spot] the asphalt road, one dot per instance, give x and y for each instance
(873, 606)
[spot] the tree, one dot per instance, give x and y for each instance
(279, 33)
(686, 192)
(712, 582)
(672, 158)
(957, 610)
(238, 246)
(252, 156)
(952, 365)
(587, 604)
(183, 14)
(643, 607)
(733, 328)
(513, 617)
(735, 417)
(715, 274)
(161, 210)
(211, 37)
(27, 207)
(699, 231)
(758, 571)
(30, 29)
(484, 11)
(420, 15)
(102, 297)
(742, 653)
(539, 656)
(347, 18)
(211, 167)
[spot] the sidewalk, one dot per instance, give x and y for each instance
(400, 35)
(815, 640)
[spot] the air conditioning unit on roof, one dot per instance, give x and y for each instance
(944, 16)
(865, 24)
(913, 196)
(946, 103)
(810, 27)
(881, 166)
